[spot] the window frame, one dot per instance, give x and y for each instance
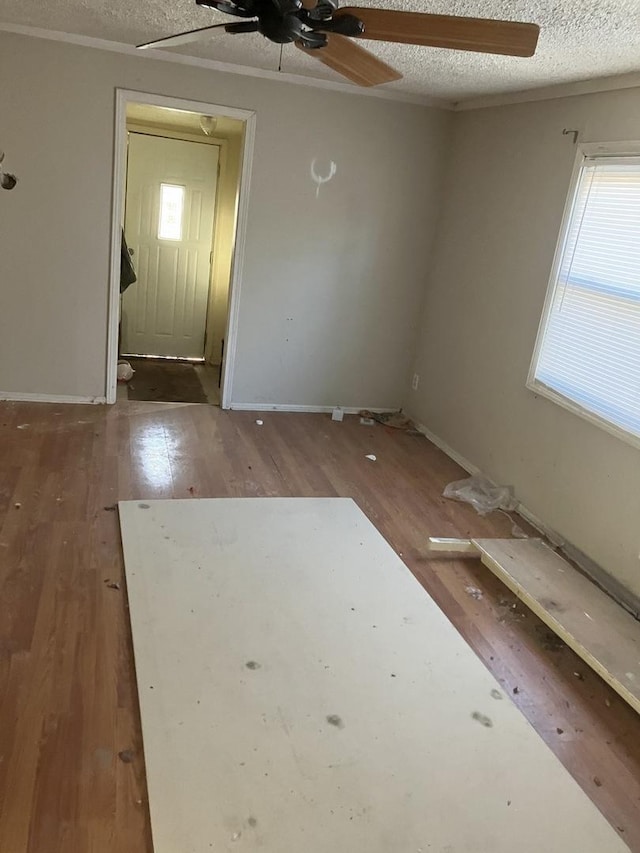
(585, 153)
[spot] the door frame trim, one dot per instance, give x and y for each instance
(127, 96)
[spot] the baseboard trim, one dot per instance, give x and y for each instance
(295, 407)
(25, 397)
(591, 569)
(462, 461)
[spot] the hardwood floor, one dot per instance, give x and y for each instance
(68, 703)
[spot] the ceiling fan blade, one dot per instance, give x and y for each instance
(352, 61)
(480, 34)
(180, 38)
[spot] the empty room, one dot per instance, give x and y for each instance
(319, 426)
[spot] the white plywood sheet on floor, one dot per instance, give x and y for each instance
(300, 691)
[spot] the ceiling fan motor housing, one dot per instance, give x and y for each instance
(278, 25)
(285, 21)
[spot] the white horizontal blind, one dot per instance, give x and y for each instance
(590, 350)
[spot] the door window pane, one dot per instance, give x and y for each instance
(171, 212)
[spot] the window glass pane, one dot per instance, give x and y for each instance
(590, 351)
(171, 211)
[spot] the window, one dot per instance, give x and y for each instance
(171, 210)
(587, 354)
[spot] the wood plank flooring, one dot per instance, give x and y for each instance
(68, 703)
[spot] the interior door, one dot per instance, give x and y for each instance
(169, 213)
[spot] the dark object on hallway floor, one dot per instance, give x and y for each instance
(162, 381)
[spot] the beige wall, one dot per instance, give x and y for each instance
(508, 177)
(331, 286)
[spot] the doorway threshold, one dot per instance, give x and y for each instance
(178, 358)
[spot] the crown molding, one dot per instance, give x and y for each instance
(549, 93)
(224, 67)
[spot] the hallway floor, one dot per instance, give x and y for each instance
(169, 381)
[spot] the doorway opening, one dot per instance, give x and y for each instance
(180, 198)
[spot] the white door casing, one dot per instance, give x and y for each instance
(169, 215)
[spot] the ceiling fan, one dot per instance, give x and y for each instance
(321, 29)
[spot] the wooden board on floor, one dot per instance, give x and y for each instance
(300, 691)
(587, 619)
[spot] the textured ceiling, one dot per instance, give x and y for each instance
(580, 39)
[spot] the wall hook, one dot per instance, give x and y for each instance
(575, 133)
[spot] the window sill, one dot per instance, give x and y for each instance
(570, 405)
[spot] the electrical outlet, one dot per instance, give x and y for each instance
(415, 381)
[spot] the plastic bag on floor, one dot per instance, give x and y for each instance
(483, 495)
(125, 371)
